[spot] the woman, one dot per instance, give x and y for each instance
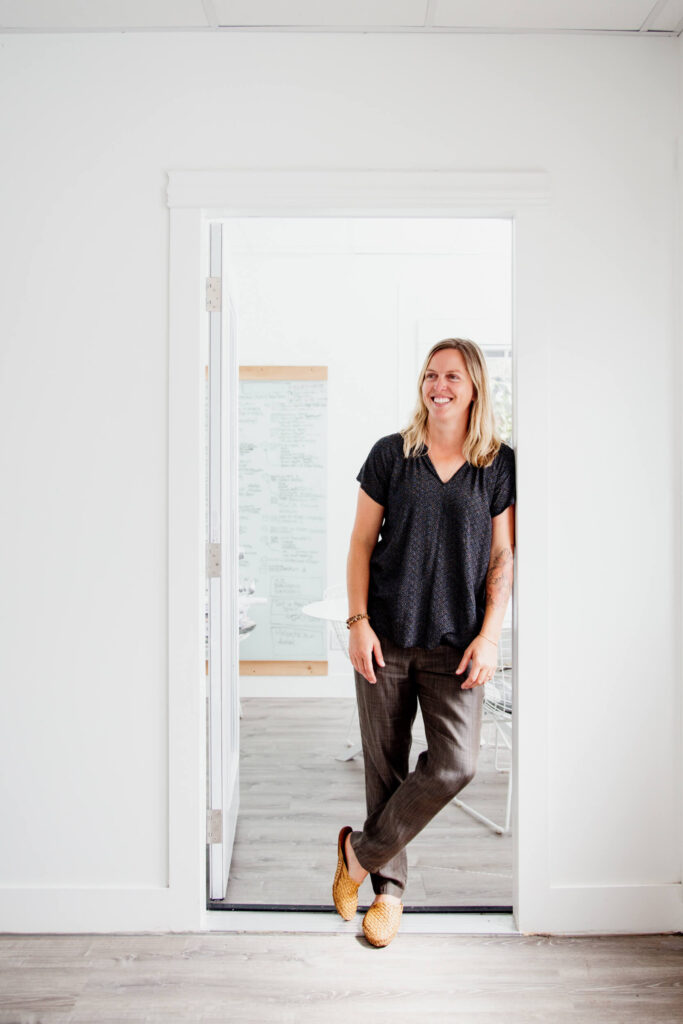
(426, 604)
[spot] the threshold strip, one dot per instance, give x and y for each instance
(303, 908)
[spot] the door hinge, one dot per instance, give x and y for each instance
(214, 826)
(213, 294)
(213, 560)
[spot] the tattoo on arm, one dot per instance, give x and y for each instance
(499, 577)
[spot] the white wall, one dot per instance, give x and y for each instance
(90, 125)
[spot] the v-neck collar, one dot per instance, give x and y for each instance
(436, 472)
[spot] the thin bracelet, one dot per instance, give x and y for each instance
(494, 642)
(356, 618)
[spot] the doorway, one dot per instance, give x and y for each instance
(196, 197)
(361, 299)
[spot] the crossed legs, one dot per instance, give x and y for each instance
(400, 803)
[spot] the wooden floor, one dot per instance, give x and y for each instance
(330, 979)
(295, 796)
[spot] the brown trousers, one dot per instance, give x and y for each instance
(400, 803)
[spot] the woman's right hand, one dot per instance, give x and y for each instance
(363, 642)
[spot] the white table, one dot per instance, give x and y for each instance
(334, 610)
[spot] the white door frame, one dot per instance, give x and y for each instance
(222, 552)
(197, 197)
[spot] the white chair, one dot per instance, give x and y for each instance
(497, 711)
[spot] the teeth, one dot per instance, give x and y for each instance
(441, 401)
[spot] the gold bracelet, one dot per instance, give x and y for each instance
(356, 618)
(494, 642)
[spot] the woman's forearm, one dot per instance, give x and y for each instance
(358, 576)
(498, 591)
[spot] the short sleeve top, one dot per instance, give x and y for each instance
(428, 568)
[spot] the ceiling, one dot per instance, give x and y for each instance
(623, 17)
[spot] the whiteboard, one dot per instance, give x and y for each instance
(282, 518)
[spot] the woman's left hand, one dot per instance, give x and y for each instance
(484, 657)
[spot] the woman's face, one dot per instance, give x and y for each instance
(447, 389)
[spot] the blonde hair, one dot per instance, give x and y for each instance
(482, 441)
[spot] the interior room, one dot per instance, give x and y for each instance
(134, 136)
(364, 298)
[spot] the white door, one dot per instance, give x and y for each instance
(222, 578)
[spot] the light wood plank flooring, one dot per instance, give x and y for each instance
(330, 979)
(295, 797)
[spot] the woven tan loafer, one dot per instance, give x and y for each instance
(381, 922)
(344, 889)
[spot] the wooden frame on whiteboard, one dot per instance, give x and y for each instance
(283, 373)
(283, 668)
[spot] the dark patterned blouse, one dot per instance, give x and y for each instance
(428, 568)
